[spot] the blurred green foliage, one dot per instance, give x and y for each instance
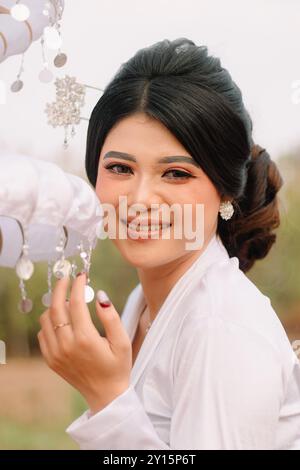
(42, 434)
(38, 436)
(278, 275)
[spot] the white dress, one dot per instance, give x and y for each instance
(216, 370)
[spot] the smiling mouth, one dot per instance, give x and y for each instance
(153, 228)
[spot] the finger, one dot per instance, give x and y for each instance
(59, 339)
(58, 309)
(111, 321)
(48, 332)
(79, 312)
(43, 346)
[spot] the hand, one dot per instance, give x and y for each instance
(99, 368)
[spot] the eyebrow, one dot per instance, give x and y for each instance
(167, 159)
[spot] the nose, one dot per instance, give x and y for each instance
(144, 193)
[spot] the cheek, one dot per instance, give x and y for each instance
(204, 192)
(108, 197)
(106, 190)
(211, 200)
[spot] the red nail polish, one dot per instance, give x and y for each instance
(79, 274)
(103, 299)
(108, 304)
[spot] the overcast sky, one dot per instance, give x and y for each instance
(257, 40)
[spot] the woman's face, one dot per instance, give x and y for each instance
(141, 179)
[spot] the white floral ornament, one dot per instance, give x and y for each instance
(65, 111)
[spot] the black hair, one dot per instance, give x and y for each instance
(195, 98)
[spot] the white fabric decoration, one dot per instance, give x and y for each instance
(17, 33)
(45, 215)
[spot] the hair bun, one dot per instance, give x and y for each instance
(256, 151)
(251, 230)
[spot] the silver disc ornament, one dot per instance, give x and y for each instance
(60, 60)
(46, 299)
(24, 268)
(16, 86)
(25, 305)
(62, 268)
(89, 293)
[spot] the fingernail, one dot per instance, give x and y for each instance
(79, 274)
(103, 299)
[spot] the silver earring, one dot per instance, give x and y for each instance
(226, 210)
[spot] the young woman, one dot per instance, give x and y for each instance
(198, 358)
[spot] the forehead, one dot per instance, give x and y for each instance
(140, 134)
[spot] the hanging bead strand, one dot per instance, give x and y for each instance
(17, 85)
(62, 267)
(45, 75)
(24, 271)
(46, 299)
(85, 255)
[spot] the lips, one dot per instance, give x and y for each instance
(147, 228)
(144, 222)
(146, 225)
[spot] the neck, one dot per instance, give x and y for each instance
(161, 279)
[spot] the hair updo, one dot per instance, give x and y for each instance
(190, 93)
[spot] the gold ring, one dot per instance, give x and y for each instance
(60, 325)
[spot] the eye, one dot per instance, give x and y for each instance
(124, 169)
(180, 174)
(110, 168)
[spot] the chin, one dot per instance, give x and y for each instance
(148, 255)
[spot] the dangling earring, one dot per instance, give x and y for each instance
(226, 210)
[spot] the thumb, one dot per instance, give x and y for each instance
(110, 319)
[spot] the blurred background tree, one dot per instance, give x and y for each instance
(278, 275)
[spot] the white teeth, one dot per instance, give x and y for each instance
(148, 228)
